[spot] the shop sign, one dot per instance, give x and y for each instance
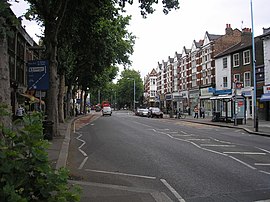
(266, 89)
(168, 97)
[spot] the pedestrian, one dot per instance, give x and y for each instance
(202, 109)
(20, 112)
(196, 112)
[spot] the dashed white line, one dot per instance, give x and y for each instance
(245, 153)
(262, 164)
(174, 192)
(123, 174)
(216, 145)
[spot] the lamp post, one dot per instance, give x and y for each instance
(134, 93)
(255, 116)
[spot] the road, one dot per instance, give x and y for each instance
(169, 160)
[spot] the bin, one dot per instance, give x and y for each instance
(216, 116)
(48, 130)
(239, 121)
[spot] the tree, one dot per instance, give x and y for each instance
(51, 13)
(125, 89)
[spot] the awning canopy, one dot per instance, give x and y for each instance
(220, 97)
(265, 97)
(32, 98)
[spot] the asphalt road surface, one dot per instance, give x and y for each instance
(176, 160)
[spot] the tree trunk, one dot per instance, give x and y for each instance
(4, 78)
(81, 104)
(69, 93)
(61, 98)
(51, 52)
(84, 101)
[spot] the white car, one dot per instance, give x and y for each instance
(106, 111)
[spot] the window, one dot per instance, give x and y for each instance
(236, 60)
(246, 56)
(225, 82)
(247, 79)
(236, 77)
(153, 93)
(225, 62)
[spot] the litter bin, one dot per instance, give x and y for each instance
(48, 130)
(216, 116)
(239, 121)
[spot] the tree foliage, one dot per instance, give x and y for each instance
(125, 91)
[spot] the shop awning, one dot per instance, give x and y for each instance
(265, 97)
(32, 98)
(220, 97)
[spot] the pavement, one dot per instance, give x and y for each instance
(58, 154)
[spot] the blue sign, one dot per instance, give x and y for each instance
(223, 92)
(38, 75)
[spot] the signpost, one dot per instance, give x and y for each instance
(38, 75)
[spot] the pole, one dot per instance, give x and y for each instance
(134, 95)
(114, 100)
(255, 118)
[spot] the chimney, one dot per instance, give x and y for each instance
(266, 30)
(246, 35)
(228, 30)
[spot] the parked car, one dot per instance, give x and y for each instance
(144, 112)
(155, 112)
(106, 111)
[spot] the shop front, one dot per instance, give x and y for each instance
(194, 98)
(205, 95)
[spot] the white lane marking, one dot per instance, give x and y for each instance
(112, 186)
(83, 143)
(82, 164)
(183, 132)
(143, 124)
(174, 192)
(245, 153)
(173, 132)
(263, 150)
(262, 164)
(194, 139)
(236, 159)
(267, 173)
(217, 145)
(123, 174)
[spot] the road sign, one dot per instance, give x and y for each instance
(38, 75)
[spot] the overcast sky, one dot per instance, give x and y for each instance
(160, 36)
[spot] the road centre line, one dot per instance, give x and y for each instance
(216, 145)
(174, 192)
(245, 153)
(122, 174)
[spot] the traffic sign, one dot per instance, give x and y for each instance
(38, 75)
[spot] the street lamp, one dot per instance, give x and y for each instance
(255, 117)
(134, 92)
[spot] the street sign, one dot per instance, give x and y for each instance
(38, 75)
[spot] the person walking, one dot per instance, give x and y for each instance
(202, 109)
(196, 112)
